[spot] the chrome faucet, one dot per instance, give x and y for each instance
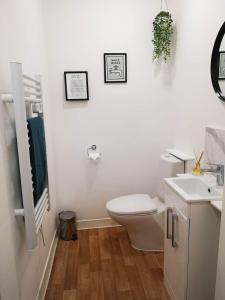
(218, 170)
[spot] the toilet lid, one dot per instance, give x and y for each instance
(132, 204)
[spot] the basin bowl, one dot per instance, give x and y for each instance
(194, 189)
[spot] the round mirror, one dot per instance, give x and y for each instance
(218, 64)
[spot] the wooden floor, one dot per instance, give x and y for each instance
(101, 264)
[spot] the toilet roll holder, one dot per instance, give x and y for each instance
(92, 153)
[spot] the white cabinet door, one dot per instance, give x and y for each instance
(176, 254)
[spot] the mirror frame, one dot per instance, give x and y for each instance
(215, 63)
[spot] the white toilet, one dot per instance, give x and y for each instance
(142, 216)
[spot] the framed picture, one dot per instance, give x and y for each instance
(222, 65)
(115, 67)
(76, 85)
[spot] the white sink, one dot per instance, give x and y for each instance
(194, 188)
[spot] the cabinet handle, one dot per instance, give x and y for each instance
(174, 220)
(168, 212)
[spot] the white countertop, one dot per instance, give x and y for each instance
(218, 205)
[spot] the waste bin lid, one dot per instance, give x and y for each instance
(67, 215)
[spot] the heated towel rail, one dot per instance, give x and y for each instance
(26, 96)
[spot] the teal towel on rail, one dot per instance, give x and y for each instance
(37, 155)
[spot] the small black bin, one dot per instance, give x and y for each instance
(67, 225)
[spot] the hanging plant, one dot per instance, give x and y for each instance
(162, 34)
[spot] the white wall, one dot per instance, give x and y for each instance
(160, 106)
(192, 97)
(128, 122)
(22, 40)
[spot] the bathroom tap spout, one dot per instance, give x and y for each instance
(218, 170)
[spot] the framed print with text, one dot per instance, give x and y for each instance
(76, 85)
(115, 67)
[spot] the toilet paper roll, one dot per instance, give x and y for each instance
(94, 156)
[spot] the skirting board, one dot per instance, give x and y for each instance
(47, 269)
(96, 223)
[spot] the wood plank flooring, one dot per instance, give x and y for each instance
(101, 265)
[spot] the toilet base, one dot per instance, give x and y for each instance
(146, 232)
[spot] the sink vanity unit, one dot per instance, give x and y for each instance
(191, 237)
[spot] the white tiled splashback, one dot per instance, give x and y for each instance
(215, 145)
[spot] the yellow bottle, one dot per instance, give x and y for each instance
(197, 168)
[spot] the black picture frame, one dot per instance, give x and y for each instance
(221, 66)
(119, 74)
(76, 85)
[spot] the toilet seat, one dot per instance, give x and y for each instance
(132, 205)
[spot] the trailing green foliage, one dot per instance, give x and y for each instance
(162, 33)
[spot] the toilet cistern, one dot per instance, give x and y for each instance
(218, 170)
